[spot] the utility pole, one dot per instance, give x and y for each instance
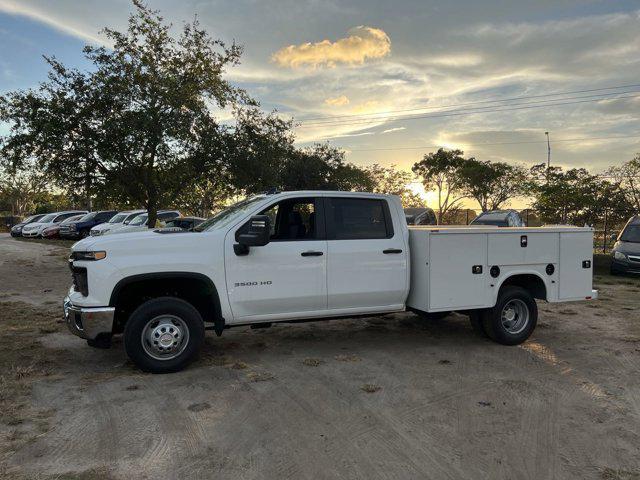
(548, 150)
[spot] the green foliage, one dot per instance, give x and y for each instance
(574, 196)
(491, 184)
(627, 176)
(392, 181)
(441, 171)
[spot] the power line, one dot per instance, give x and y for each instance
(492, 144)
(429, 107)
(491, 109)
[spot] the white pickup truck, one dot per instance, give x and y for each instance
(314, 255)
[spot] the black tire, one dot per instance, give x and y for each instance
(477, 322)
(433, 315)
(157, 308)
(492, 318)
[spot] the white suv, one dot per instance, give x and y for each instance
(139, 223)
(119, 220)
(33, 230)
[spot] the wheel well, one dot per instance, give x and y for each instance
(196, 289)
(533, 283)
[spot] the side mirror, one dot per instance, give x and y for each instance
(255, 233)
(614, 237)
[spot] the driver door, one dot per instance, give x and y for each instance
(287, 278)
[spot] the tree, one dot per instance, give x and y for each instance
(22, 190)
(574, 197)
(441, 171)
(627, 176)
(392, 181)
(491, 184)
(137, 121)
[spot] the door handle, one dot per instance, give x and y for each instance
(312, 254)
(391, 250)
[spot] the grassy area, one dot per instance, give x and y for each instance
(53, 241)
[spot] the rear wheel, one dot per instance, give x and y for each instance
(164, 335)
(512, 320)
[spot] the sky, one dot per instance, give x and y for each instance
(391, 81)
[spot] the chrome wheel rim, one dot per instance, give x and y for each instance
(515, 316)
(165, 337)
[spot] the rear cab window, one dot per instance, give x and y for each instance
(358, 219)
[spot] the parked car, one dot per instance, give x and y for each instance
(35, 229)
(118, 220)
(54, 230)
(139, 223)
(308, 256)
(183, 223)
(420, 216)
(16, 230)
(499, 218)
(626, 250)
(80, 228)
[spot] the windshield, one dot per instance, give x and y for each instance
(486, 221)
(139, 220)
(29, 219)
(130, 217)
(48, 218)
(230, 214)
(118, 218)
(71, 219)
(631, 234)
(88, 216)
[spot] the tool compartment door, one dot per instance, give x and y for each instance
(453, 282)
(576, 265)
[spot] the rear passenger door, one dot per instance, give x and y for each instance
(367, 257)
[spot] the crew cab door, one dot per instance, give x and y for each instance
(367, 263)
(286, 278)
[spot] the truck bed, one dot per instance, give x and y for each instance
(461, 268)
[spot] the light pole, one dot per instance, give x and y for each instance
(548, 150)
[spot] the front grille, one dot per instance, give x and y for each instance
(80, 283)
(633, 258)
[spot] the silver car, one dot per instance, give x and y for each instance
(626, 251)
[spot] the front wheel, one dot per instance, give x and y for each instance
(512, 320)
(164, 335)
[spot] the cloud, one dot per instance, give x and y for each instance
(337, 101)
(362, 43)
(64, 25)
(395, 129)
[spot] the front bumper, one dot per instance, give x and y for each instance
(30, 234)
(88, 322)
(618, 266)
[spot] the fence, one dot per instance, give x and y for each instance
(606, 226)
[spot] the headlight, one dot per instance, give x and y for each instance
(88, 255)
(619, 256)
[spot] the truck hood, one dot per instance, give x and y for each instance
(172, 243)
(628, 247)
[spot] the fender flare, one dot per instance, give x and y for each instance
(215, 296)
(519, 273)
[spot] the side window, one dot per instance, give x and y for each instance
(293, 219)
(357, 218)
(166, 216)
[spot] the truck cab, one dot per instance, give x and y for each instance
(281, 257)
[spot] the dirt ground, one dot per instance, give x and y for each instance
(391, 397)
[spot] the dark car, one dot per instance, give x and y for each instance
(184, 223)
(16, 230)
(54, 230)
(626, 251)
(81, 228)
(420, 216)
(499, 218)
